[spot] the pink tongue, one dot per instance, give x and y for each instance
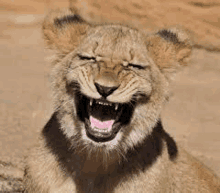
(99, 124)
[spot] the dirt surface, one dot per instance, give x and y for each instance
(191, 117)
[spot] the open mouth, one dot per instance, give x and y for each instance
(103, 119)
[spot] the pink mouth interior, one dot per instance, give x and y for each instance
(99, 124)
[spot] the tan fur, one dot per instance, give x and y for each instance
(142, 157)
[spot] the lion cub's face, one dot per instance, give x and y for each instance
(111, 80)
(112, 72)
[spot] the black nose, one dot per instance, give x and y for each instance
(104, 90)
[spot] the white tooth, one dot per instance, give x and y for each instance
(116, 107)
(91, 101)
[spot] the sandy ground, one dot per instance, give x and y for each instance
(191, 117)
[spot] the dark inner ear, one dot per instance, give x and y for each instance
(168, 36)
(60, 22)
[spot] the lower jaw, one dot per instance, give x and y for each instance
(100, 138)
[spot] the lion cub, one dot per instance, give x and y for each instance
(110, 83)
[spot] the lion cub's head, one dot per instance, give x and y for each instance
(111, 81)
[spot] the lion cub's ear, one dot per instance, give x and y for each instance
(169, 48)
(63, 30)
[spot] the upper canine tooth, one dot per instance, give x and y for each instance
(116, 107)
(91, 101)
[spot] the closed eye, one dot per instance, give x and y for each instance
(83, 57)
(139, 67)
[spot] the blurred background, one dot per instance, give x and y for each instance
(192, 115)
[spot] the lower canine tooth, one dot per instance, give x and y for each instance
(116, 107)
(91, 101)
